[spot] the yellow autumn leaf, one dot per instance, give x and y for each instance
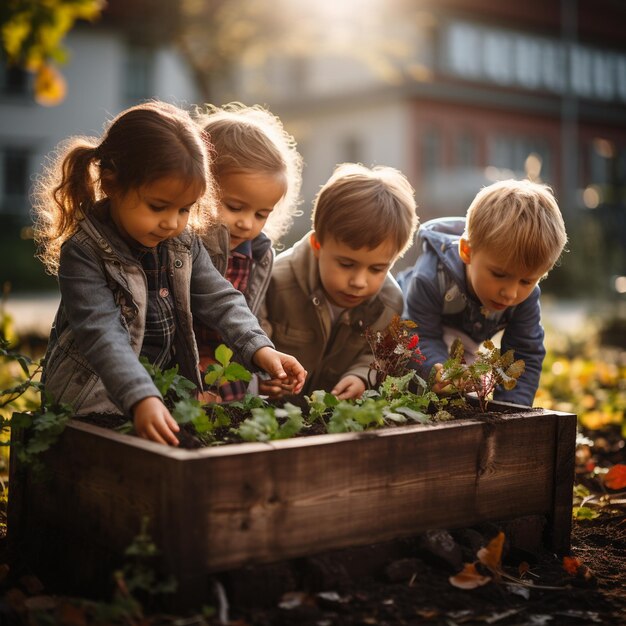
(50, 86)
(14, 32)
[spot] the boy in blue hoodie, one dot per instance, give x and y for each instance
(478, 275)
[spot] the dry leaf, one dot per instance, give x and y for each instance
(571, 564)
(615, 478)
(491, 556)
(469, 578)
(575, 567)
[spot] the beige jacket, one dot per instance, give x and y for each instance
(297, 318)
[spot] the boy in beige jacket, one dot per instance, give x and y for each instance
(334, 283)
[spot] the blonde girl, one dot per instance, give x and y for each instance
(117, 221)
(258, 172)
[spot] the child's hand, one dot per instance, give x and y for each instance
(275, 388)
(445, 387)
(349, 387)
(441, 387)
(153, 421)
(281, 366)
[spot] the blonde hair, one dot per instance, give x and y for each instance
(363, 207)
(142, 144)
(252, 139)
(519, 222)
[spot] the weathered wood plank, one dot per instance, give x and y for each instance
(560, 518)
(382, 486)
(216, 509)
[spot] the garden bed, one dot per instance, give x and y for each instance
(220, 508)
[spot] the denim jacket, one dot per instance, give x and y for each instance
(436, 295)
(92, 358)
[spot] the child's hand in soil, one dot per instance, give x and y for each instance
(153, 421)
(281, 367)
(445, 387)
(349, 387)
(275, 388)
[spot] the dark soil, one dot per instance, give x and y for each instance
(414, 587)
(189, 439)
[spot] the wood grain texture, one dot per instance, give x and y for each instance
(217, 509)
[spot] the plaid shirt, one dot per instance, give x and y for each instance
(238, 273)
(160, 326)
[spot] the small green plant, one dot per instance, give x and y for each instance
(138, 574)
(225, 370)
(269, 423)
(391, 403)
(490, 369)
(21, 406)
(179, 396)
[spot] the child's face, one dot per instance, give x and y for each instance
(496, 287)
(246, 201)
(349, 277)
(154, 212)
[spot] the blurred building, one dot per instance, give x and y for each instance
(471, 91)
(123, 58)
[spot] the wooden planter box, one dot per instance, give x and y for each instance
(216, 509)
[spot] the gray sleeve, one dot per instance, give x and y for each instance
(99, 332)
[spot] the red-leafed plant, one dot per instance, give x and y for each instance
(394, 348)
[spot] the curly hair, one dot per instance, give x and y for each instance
(252, 139)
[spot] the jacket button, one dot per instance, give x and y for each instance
(178, 263)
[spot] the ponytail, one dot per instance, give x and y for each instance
(63, 195)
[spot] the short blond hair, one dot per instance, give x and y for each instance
(519, 222)
(252, 139)
(363, 207)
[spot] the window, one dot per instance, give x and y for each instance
(14, 180)
(139, 74)
(465, 151)
(511, 153)
(14, 81)
(431, 152)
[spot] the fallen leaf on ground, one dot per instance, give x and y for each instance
(491, 555)
(575, 567)
(469, 578)
(615, 478)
